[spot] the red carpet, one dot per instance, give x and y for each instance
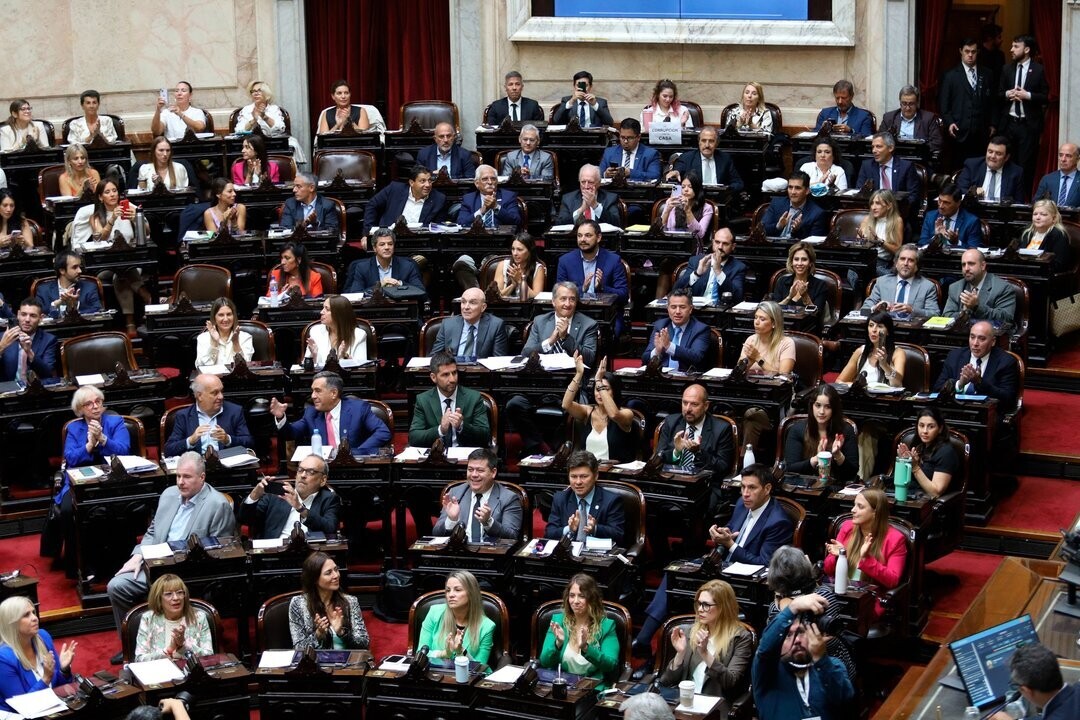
(55, 592)
(1044, 413)
(960, 577)
(1044, 504)
(1066, 356)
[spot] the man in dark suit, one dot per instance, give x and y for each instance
(449, 411)
(334, 417)
(24, 347)
(1061, 185)
(1023, 93)
(488, 509)
(844, 115)
(514, 106)
(712, 274)
(888, 172)
(979, 294)
(583, 509)
(994, 177)
(209, 421)
(589, 201)
(494, 206)
(444, 153)
(694, 439)
(534, 164)
(417, 202)
(307, 501)
(966, 100)
(681, 340)
(713, 166)
(954, 225)
(308, 207)
(1035, 670)
(982, 368)
(594, 269)
(796, 216)
(590, 110)
(69, 288)
(641, 161)
(908, 122)
(488, 332)
(384, 268)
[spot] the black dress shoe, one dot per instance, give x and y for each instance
(117, 659)
(644, 669)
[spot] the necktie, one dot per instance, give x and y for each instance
(583, 119)
(1063, 194)
(972, 78)
(886, 183)
(947, 224)
(978, 369)
(513, 112)
(331, 436)
(715, 292)
(675, 338)
(525, 161)
(992, 193)
(470, 343)
(688, 457)
(582, 521)
(744, 530)
(1018, 107)
(450, 432)
(477, 535)
(792, 214)
(588, 213)
(901, 292)
(489, 219)
(625, 159)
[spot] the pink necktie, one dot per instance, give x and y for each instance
(886, 184)
(331, 436)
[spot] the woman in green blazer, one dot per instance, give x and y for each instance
(465, 629)
(581, 638)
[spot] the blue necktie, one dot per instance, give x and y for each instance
(675, 338)
(1063, 195)
(583, 119)
(525, 161)
(901, 293)
(489, 219)
(715, 292)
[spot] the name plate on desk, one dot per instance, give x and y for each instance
(665, 134)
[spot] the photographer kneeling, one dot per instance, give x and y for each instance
(174, 707)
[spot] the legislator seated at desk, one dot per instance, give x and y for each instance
(334, 118)
(585, 509)
(78, 175)
(322, 616)
(641, 162)
(1037, 676)
(844, 115)
(173, 121)
(474, 333)
(1046, 233)
(414, 201)
(254, 164)
(591, 111)
(337, 329)
(594, 269)
(294, 270)
(886, 171)
(334, 417)
(982, 368)
(309, 207)
(711, 275)
(25, 347)
(906, 291)
(665, 107)
(223, 340)
(934, 461)
(449, 411)
(824, 429)
(384, 268)
(589, 201)
(459, 626)
(994, 177)
(174, 175)
(533, 163)
(715, 167)
(171, 625)
(695, 440)
(908, 122)
(21, 126)
(1061, 185)
(15, 229)
(83, 129)
(800, 286)
(492, 205)
(224, 212)
(514, 106)
(607, 429)
(69, 287)
(28, 659)
(488, 510)
(796, 216)
(979, 294)
(877, 359)
(445, 154)
(210, 421)
(954, 225)
(582, 639)
(273, 508)
(687, 209)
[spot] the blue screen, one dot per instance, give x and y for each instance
(675, 9)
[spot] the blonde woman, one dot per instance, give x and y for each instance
(1047, 233)
(883, 226)
(172, 625)
(77, 172)
(768, 350)
(459, 626)
(28, 659)
(261, 111)
(753, 115)
(582, 639)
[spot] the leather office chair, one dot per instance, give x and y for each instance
(96, 353)
(797, 513)
(544, 615)
(916, 367)
(382, 411)
(165, 428)
(429, 334)
(49, 181)
(429, 113)
(129, 628)
(809, 354)
(696, 114)
(494, 609)
(133, 425)
(353, 164)
(262, 338)
(1022, 316)
(272, 623)
(785, 427)
(51, 278)
(633, 502)
(362, 325)
(493, 418)
(235, 114)
(202, 283)
(848, 221)
(328, 275)
(526, 511)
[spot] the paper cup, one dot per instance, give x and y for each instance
(686, 693)
(824, 467)
(461, 668)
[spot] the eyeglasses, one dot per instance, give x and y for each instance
(309, 471)
(173, 594)
(706, 606)
(93, 403)
(25, 108)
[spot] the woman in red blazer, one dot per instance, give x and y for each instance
(876, 551)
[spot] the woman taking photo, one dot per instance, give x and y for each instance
(77, 172)
(254, 163)
(581, 639)
(933, 459)
(823, 430)
(161, 167)
(825, 168)
(293, 271)
(225, 211)
(459, 626)
(322, 616)
(20, 127)
(717, 652)
(769, 350)
(799, 286)
(172, 625)
(665, 107)
(111, 216)
(14, 228)
(752, 113)
(604, 429)
(1047, 233)
(878, 358)
(333, 118)
(223, 338)
(28, 659)
(521, 276)
(883, 227)
(688, 210)
(876, 551)
(336, 329)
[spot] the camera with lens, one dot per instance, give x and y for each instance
(1070, 548)
(832, 626)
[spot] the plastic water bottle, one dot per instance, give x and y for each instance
(841, 572)
(748, 456)
(971, 713)
(316, 442)
(273, 290)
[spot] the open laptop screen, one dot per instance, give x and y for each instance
(982, 659)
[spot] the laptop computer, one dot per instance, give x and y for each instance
(982, 661)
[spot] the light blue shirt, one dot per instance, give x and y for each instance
(588, 268)
(178, 530)
(907, 128)
(207, 440)
(444, 162)
(385, 273)
(465, 338)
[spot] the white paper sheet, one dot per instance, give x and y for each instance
(499, 362)
(302, 451)
(156, 551)
(135, 463)
(557, 361)
(702, 704)
(276, 658)
(595, 543)
(506, 674)
(218, 369)
(412, 453)
(542, 297)
(419, 362)
(459, 453)
(157, 309)
(851, 490)
(745, 306)
(441, 540)
(37, 704)
(743, 569)
(717, 373)
(266, 544)
(353, 297)
(631, 466)
(156, 672)
(548, 548)
(95, 379)
(239, 460)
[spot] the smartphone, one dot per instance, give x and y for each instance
(582, 86)
(275, 487)
(612, 166)
(540, 545)
(676, 190)
(125, 205)
(163, 93)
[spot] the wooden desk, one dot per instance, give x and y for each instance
(439, 695)
(115, 700)
(856, 149)
(575, 147)
(608, 707)
(499, 701)
(219, 687)
(22, 168)
(17, 273)
(336, 692)
(63, 328)
(539, 578)
(490, 562)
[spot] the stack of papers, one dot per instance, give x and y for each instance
(136, 464)
(95, 379)
(743, 569)
(506, 674)
(276, 658)
(37, 704)
(745, 306)
(302, 451)
(156, 672)
(717, 373)
(940, 322)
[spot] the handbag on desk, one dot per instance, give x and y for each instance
(1065, 315)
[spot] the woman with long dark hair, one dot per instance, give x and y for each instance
(688, 210)
(336, 329)
(878, 357)
(254, 163)
(605, 429)
(521, 276)
(322, 616)
(824, 430)
(294, 270)
(933, 459)
(225, 210)
(15, 229)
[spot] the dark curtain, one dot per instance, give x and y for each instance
(1046, 21)
(389, 52)
(932, 18)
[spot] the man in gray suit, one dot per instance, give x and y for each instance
(983, 295)
(488, 339)
(489, 510)
(906, 291)
(535, 164)
(190, 506)
(560, 331)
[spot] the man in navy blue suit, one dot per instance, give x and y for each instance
(488, 202)
(382, 269)
(956, 226)
(583, 509)
(24, 347)
(444, 153)
(994, 177)
(417, 202)
(307, 500)
(844, 115)
(307, 206)
(1060, 185)
(1035, 670)
(69, 288)
(334, 417)
(796, 216)
(982, 368)
(514, 106)
(681, 340)
(594, 269)
(712, 274)
(589, 201)
(641, 161)
(888, 172)
(210, 420)
(713, 166)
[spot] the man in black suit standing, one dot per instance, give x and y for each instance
(307, 501)
(514, 106)
(590, 110)
(1022, 96)
(908, 122)
(966, 100)
(713, 166)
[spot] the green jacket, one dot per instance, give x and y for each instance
(603, 654)
(428, 412)
(429, 635)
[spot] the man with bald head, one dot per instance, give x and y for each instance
(589, 202)
(446, 153)
(1060, 185)
(493, 206)
(983, 295)
(210, 421)
(982, 368)
(474, 333)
